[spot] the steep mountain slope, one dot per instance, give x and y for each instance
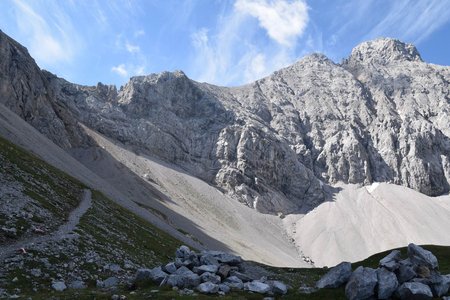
(183, 154)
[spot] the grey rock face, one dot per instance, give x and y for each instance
(382, 115)
(361, 284)
(387, 283)
(420, 256)
(207, 268)
(170, 268)
(414, 291)
(336, 277)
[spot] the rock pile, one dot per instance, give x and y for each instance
(416, 277)
(208, 272)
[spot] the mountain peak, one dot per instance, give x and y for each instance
(384, 51)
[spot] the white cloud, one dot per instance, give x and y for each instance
(235, 52)
(284, 21)
(121, 70)
(50, 45)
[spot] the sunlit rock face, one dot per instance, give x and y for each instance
(276, 144)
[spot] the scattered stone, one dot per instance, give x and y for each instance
(257, 286)
(59, 286)
(36, 272)
(387, 283)
(361, 284)
(183, 252)
(208, 288)
(304, 289)
(77, 285)
(336, 277)
(414, 290)
(420, 256)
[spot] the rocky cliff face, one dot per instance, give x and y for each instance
(275, 144)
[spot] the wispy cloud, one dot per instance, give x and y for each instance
(50, 45)
(412, 20)
(234, 53)
(132, 48)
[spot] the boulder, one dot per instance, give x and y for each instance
(183, 281)
(405, 273)
(423, 271)
(206, 268)
(156, 275)
(59, 286)
(361, 284)
(234, 283)
(387, 283)
(77, 285)
(223, 271)
(390, 261)
(414, 291)
(257, 286)
(183, 271)
(420, 256)
(183, 252)
(208, 288)
(224, 288)
(170, 268)
(209, 259)
(210, 277)
(110, 282)
(229, 259)
(440, 287)
(278, 287)
(241, 276)
(336, 277)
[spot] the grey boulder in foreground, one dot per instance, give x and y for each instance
(224, 272)
(416, 277)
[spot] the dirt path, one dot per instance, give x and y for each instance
(63, 231)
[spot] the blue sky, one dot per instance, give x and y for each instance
(226, 42)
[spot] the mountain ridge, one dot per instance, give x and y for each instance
(231, 136)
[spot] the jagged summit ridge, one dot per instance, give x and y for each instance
(383, 51)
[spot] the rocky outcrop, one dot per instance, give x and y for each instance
(382, 115)
(208, 279)
(416, 277)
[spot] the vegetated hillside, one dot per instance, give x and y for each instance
(36, 199)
